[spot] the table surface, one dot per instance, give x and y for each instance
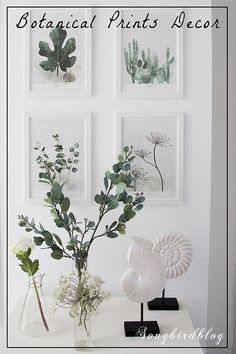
(108, 330)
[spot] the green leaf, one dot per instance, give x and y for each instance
(76, 153)
(22, 223)
(56, 191)
(126, 149)
(128, 200)
(113, 225)
(73, 241)
(28, 229)
(140, 199)
(130, 215)
(98, 199)
(113, 178)
(167, 52)
(120, 178)
(59, 57)
(121, 158)
(70, 247)
(117, 167)
(58, 239)
(74, 169)
(172, 60)
(34, 267)
(59, 223)
(120, 188)
(127, 208)
(127, 167)
(112, 234)
(57, 254)
(38, 240)
(105, 180)
(77, 228)
(41, 175)
(72, 217)
(54, 213)
(91, 224)
(121, 228)
(47, 235)
(139, 207)
(122, 218)
(25, 268)
(60, 155)
(65, 205)
(66, 219)
(122, 197)
(112, 205)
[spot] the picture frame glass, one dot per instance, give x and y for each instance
(150, 60)
(70, 131)
(156, 144)
(72, 75)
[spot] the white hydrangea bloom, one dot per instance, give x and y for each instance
(22, 245)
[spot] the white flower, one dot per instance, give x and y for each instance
(138, 172)
(81, 295)
(142, 153)
(158, 139)
(22, 245)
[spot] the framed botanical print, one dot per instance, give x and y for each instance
(45, 135)
(149, 61)
(157, 141)
(58, 56)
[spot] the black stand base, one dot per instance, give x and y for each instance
(169, 303)
(138, 329)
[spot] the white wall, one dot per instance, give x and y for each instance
(217, 284)
(217, 300)
(108, 257)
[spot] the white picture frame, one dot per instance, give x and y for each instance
(147, 39)
(131, 129)
(36, 78)
(39, 127)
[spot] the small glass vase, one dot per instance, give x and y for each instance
(35, 315)
(82, 331)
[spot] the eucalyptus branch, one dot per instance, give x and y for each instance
(77, 247)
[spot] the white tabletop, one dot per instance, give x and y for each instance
(107, 330)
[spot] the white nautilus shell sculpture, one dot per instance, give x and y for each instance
(146, 276)
(176, 253)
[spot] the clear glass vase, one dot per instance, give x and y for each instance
(35, 315)
(82, 331)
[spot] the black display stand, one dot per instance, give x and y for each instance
(139, 328)
(164, 303)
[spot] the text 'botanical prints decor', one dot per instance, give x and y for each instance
(150, 59)
(157, 141)
(58, 55)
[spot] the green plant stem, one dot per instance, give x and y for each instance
(40, 306)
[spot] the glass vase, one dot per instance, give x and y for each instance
(82, 331)
(35, 315)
